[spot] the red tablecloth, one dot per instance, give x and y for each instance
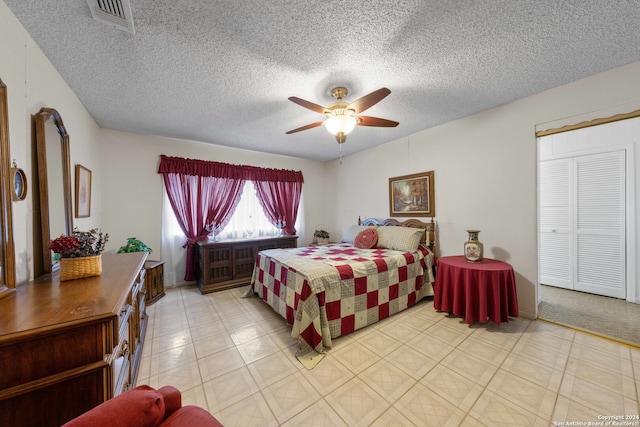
(476, 290)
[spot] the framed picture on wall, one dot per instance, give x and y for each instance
(412, 195)
(83, 192)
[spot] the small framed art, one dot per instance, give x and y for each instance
(412, 195)
(19, 182)
(83, 192)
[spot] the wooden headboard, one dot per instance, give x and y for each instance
(429, 237)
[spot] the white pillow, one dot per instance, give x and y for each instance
(349, 236)
(404, 239)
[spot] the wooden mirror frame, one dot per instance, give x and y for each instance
(41, 147)
(7, 249)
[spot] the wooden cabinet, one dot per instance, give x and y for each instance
(66, 347)
(154, 280)
(227, 264)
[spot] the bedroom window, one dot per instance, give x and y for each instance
(247, 217)
(204, 195)
(173, 238)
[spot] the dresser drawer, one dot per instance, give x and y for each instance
(120, 361)
(123, 321)
(121, 369)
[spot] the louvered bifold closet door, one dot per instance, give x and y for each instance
(600, 224)
(556, 223)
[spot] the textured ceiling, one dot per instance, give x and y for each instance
(221, 71)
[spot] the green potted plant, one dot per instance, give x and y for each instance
(134, 245)
(322, 236)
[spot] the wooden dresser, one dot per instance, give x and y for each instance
(66, 347)
(229, 263)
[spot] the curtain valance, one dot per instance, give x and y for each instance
(206, 168)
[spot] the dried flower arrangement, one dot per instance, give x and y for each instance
(80, 243)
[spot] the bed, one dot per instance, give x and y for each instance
(326, 291)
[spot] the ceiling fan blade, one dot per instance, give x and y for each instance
(310, 126)
(307, 104)
(375, 121)
(367, 101)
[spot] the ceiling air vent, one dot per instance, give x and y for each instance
(116, 13)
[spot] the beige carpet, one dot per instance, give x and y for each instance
(611, 318)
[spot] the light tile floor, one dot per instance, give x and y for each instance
(235, 357)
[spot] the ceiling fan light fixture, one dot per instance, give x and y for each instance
(341, 117)
(340, 124)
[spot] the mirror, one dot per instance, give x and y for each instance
(54, 178)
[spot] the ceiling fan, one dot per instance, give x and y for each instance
(342, 117)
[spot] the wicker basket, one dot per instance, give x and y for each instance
(79, 268)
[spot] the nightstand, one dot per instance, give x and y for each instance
(154, 280)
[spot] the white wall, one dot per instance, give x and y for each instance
(32, 83)
(132, 188)
(485, 171)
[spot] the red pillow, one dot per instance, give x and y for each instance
(139, 407)
(366, 239)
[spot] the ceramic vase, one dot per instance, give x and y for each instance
(250, 228)
(473, 248)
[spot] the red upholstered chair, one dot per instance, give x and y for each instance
(144, 406)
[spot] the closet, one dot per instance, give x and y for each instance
(585, 203)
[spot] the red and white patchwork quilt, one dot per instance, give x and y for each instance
(330, 290)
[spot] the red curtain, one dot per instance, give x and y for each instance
(204, 192)
(196, 202)
(279, 201)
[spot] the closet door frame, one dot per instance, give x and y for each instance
(630, 210)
